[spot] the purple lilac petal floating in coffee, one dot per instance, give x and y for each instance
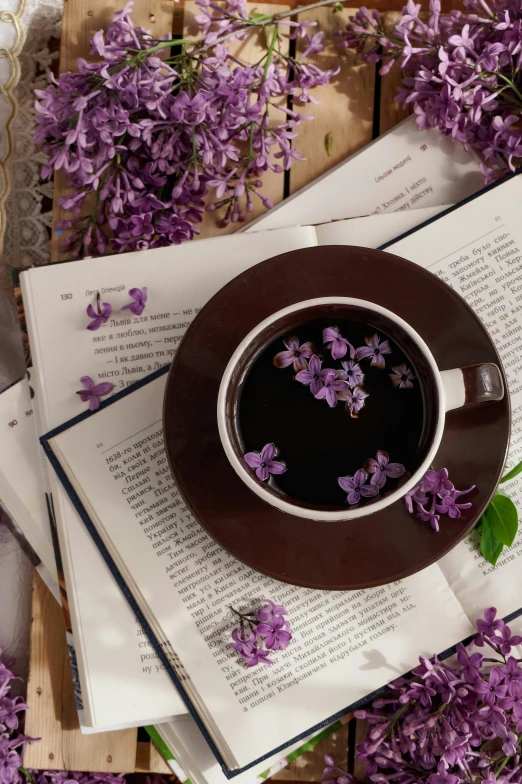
(402, 377)
(338, 345)
(263, 462)
(93, 392)
(332, 386)
(355, 399)
(355, 487)
(314, 376)
(374, 349)
(381, 468)
(100, 315)
(140, 298)
(351, 373)
(295, 354)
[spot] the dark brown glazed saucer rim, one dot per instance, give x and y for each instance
(387, 545)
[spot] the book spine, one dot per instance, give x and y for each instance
(167, 755)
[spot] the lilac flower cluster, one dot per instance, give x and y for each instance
(435, 495)
(154, 138)
(381, 469)
(461, 71)
(12, 742)
(260, 633)
(345, 383)
(450, 722)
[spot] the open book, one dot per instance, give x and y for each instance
(179, 280)
(353, 643)
(401, 171)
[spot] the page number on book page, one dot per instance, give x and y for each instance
(66, 296)
(99, 445)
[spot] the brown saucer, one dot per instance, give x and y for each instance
(388, 545)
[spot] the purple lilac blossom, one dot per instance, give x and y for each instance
(356, 488)
(338, 345)
(374, 349)
(355, 400)
(93, 392)
(100, 315)
(381, 469)
(436, 488)
(351, 373)
(295, 354)
(156, 139)
(460, 72)
(263, 462)
(453, 722)
(315, 375)
(139, 298)
(330, 390)
(402, 377)
(261, 632)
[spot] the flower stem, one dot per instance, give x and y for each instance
(506, 759)
(26, 773)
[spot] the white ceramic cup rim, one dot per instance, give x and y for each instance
(259, 488)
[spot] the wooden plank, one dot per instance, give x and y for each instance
(248, 51)
(52, 715)
(345, 110)
(149, 760)
(391, 112)
(81, 19)
(310, 765)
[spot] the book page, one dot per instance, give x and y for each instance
(179, 280)
(402, 170)
(346, 644)
(477, 250)
(373, 231)
(21, 473)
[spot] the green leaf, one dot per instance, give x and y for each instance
(512, 474)
(328, 143)
(490, 547)
(502, 516)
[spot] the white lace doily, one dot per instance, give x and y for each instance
(27, 28)
(36, 23)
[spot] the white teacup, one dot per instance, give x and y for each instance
(442, 390)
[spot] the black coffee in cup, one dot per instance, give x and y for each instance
(379, 406)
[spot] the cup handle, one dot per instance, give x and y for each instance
(472, 385)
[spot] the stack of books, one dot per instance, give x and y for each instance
(140, 581)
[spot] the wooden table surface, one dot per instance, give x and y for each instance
(355, 108)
